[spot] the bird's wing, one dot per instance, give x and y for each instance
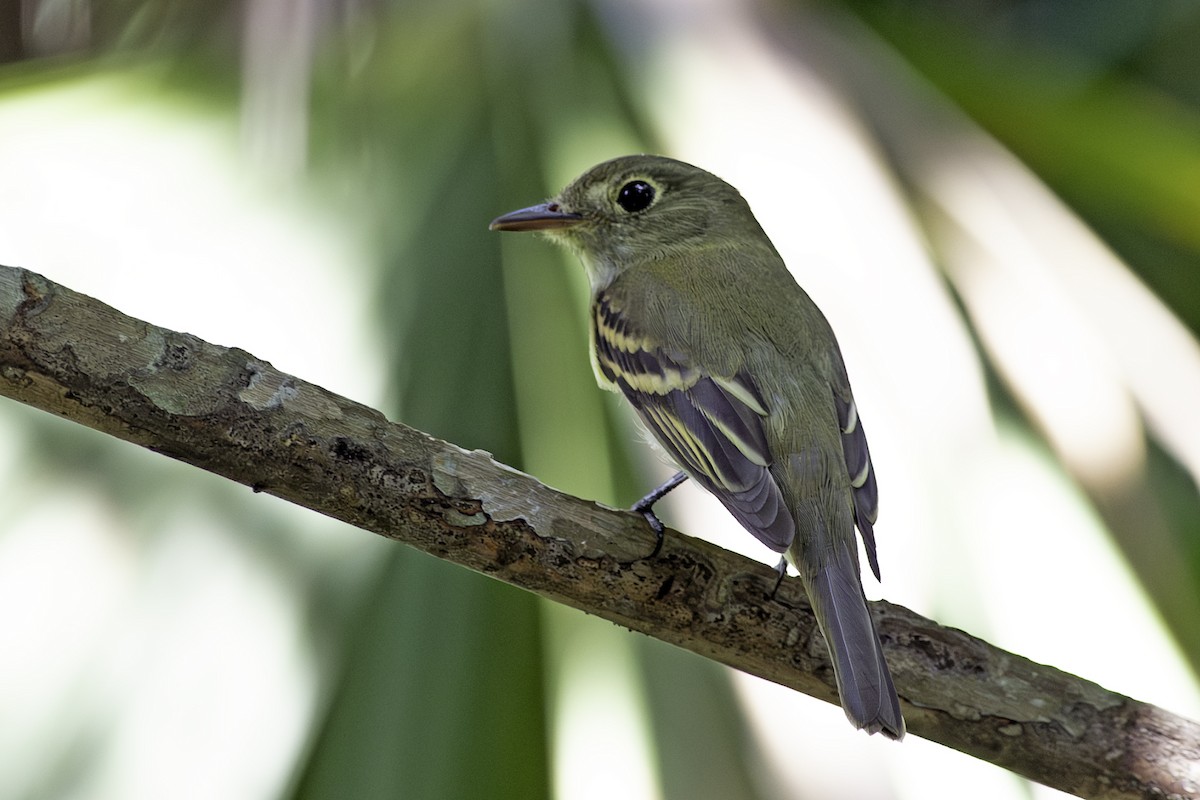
(858, 463)
(711, 425)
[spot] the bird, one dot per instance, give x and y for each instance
(696, 320)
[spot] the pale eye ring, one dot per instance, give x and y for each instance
(635, 196)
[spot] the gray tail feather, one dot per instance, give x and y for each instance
(863, 680)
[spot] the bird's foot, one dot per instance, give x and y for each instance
(645, 507)
(781, 569)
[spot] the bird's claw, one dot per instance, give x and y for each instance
(655, 525)
(781, 570)
(645, 507)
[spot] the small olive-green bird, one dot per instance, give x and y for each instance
(696, 320)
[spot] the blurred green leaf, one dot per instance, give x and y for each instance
(441, 691)
(1123, 153)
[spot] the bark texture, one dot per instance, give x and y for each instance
(228, 412)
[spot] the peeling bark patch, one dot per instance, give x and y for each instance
(460, 520)
(37, 294)
(266, 388)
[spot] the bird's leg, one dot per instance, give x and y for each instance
(645, 507)
(780, 568)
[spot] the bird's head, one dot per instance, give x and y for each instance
(633, 209)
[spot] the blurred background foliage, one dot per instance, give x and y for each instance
(995, 202)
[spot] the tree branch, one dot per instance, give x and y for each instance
(227, 412)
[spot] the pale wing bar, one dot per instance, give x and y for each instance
(862, 475)
(712, 427)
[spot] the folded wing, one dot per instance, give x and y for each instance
(711, 425)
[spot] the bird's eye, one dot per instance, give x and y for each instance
(635, 196)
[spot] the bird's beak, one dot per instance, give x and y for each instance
(543, 217)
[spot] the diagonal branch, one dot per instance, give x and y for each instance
(227, 412)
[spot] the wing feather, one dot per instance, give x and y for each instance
(862, 474)
(711, 425)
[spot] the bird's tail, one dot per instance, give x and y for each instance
(863, 680)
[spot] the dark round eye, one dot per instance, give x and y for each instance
(635, 196)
